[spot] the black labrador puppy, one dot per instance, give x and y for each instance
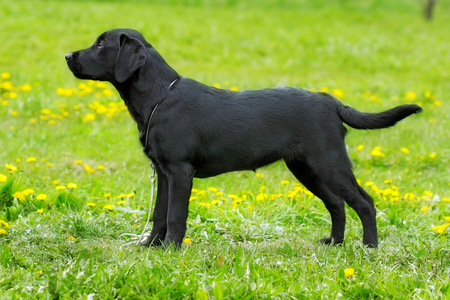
(192, 130)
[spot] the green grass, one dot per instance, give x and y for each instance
(252, 235)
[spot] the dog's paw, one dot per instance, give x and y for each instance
(329, 241)
(151, 242)
(371, 245)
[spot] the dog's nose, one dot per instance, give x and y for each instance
(69, 56)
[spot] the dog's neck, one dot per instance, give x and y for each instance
(146, 88)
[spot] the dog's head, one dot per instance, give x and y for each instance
(114, 57)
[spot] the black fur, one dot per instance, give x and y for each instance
(202, 131)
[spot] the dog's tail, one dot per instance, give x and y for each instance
(363, 120)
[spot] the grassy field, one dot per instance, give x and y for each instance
(73, 176)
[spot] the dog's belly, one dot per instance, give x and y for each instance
(216, 166)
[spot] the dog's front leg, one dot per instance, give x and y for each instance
(159, 230)
(180, 185)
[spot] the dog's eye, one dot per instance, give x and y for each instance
(100, 45)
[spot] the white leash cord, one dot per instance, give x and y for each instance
(143, 234)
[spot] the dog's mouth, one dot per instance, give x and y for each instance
(75, 66)
(77, 70)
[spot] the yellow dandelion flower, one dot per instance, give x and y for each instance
(121, 202)
(107, 195)
(31, 159)
(187, 241)
(28, 192)
(349, 272)
(55, 182)
(90, 204)
(3, 178)
(446, 199)
(201, 192)
(41, 197)
(206, 204)
(100, 84)
(72, 186)
(108, 207)
(409, 196)
(441, 229)
(338, 93)
(4, 224)
(40, 211)
(259, 175)
(89, 118)
(377, 152)
(405, 150)
(213, 189)
(424, 209)
(432, 155)
(2, 232)
(121, 196)
(88, 168)
(446, 219)
(60, 187)
(284, 182)
(5, 75)
(26, 88)
(100, 167)
(11, 168)
(108, 92)
(359, 147)
(19, 196)
(71, 238)
(7, 85)
(261, 196)
(78, 162)
(131, 195)
(428, 194)
(410, 96)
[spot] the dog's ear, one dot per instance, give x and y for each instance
(131, 57)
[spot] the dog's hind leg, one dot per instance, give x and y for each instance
(334, 204)
(331, 179)
(362, 203)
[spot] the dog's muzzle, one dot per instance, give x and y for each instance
(69, 56)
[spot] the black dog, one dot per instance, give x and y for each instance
(192, 130)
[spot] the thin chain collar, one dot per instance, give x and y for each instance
(153, 112)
